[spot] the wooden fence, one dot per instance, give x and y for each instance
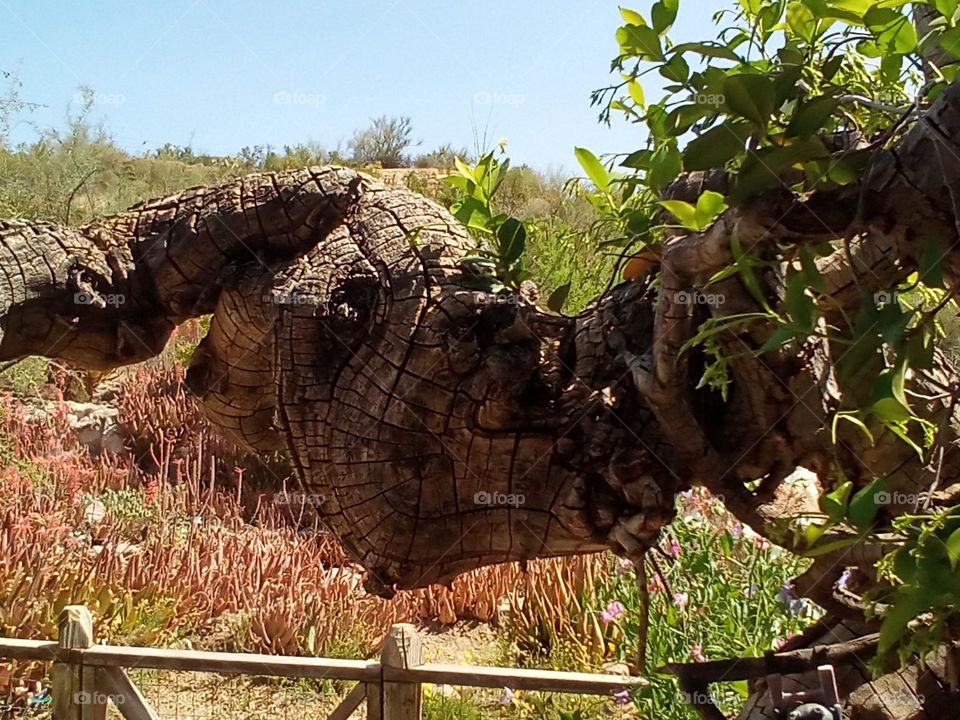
(86, 676)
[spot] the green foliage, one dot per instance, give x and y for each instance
(772, 101)
(384, 143)
(26, 377)
(498, 263)
(726, 595)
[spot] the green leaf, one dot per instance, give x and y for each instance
(664, 14)
(849, 167)
(895, 621)
(849, 10)
(946, 7)
(953, 548)
(743, 261)
(780, 336)
(464, 169)
(636, 92)
(889, 399)
(850, 417)
(714, 50)
(787, 84)
(665, 164)
(593, 168)
(800, 306)
(751, 96)
(512, 238)
(716, 146)
(834, 503)
(864, 505)
(763, 169)
(632, 17)
(830, 547)
(831, 67)
(709, 205)
(812, 116)
(950, 41)
(930, 265)
(682, 118)
(639, 160)
(894, 31)
(814, 532)
(682, 211)
(558, 298)
(640, 42)
(473, 213)
(921, 347)
(677, 69)
(801, 21)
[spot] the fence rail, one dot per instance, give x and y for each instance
(85, 675)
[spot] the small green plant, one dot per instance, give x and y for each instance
(498, 264)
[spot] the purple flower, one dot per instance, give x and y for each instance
(680, 600)
(622, 697)
(614, 610)
(624, 566)
(788, 598)
(506, 697)
(844, 579)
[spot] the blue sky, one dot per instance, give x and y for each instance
(220, 75)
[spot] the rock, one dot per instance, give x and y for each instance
(616, 668)
(94, 424)
(96, 427)
(94, 512)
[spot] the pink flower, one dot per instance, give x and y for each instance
(614, 610)
(780, 643)
(656, 584)
(624, 566)
(506, 697)
(696, 652)
(622, 697)
(673, 549)
(680, 600)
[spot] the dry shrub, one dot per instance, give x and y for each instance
(179, 540)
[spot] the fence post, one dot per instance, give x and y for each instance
(401, 649)
(75, 692)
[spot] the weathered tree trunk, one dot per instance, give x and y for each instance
(444, 428)
(441, 428)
